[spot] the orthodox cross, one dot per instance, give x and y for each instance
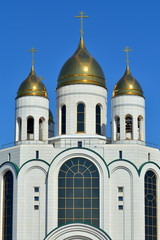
(127, 50)
(33, 50)
(81, 16)
(41, 78)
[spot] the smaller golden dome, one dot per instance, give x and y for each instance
(32, 86)
(127, 85)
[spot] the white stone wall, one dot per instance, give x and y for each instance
(124, 105)
(127, 173)
(90, 95)
(36, 107)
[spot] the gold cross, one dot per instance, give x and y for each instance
(33, 50)
(127, 50)
(41, 78)
(81, 16)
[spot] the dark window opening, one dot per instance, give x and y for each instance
(150, 205)
(80, 117)
(98, 119)
(79, 144)
(8, 206)
(37, 154)
(120, 154)
(63, 120)
(30, 128)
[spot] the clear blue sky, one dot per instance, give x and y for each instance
(50, 27)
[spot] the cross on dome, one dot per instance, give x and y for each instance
(33, 50)
(127, 50)
(81, 16)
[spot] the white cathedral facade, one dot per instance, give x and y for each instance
(78, 184)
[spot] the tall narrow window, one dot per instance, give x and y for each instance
(63, 121)
(150, 206)
(41, 129)
(7, 206)
(30, 128)
(129, 133)
(139, 125)
(19, 121)
(80, 117)
(117, 122)
(98, 119)
(78, 192)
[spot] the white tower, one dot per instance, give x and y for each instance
(128, 110)
(81, 96)
(32, 110)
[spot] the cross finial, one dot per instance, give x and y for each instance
(127, 50)
(41, 78)
(33, 50)
(81, 16)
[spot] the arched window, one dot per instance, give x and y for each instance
(139, 125)
(80, 117)
(30, 128)
(98, 119)
(19, 121)
(7, 206)
(78, 192)
(129, 132)
(41, 129)
(117, 122)
(63, 119)
(150, 206)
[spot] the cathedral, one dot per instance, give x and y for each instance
(71, 182)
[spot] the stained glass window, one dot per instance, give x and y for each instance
(7, 206)
(78, 192)
(150, 206)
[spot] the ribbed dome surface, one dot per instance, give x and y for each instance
(32, 86)
(127, 85)
(81, 68)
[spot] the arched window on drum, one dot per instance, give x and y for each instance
(63, 119)
(129, 127)
(78, 192)
(80, 118)
(117, 128)
(98, 119)
(30, 128)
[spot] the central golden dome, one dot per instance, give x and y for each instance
(81, 68)
(127, 85)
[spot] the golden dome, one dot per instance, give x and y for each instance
(81, 68)
(127, 85)
(32, 86)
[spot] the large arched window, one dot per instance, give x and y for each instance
(30, 128)
(150, 206)
(7, 206)
(41, 129)
(63, 120)
(80, 117)
(129, 131)
(78, 192)
(98, 119)
(117, 123)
